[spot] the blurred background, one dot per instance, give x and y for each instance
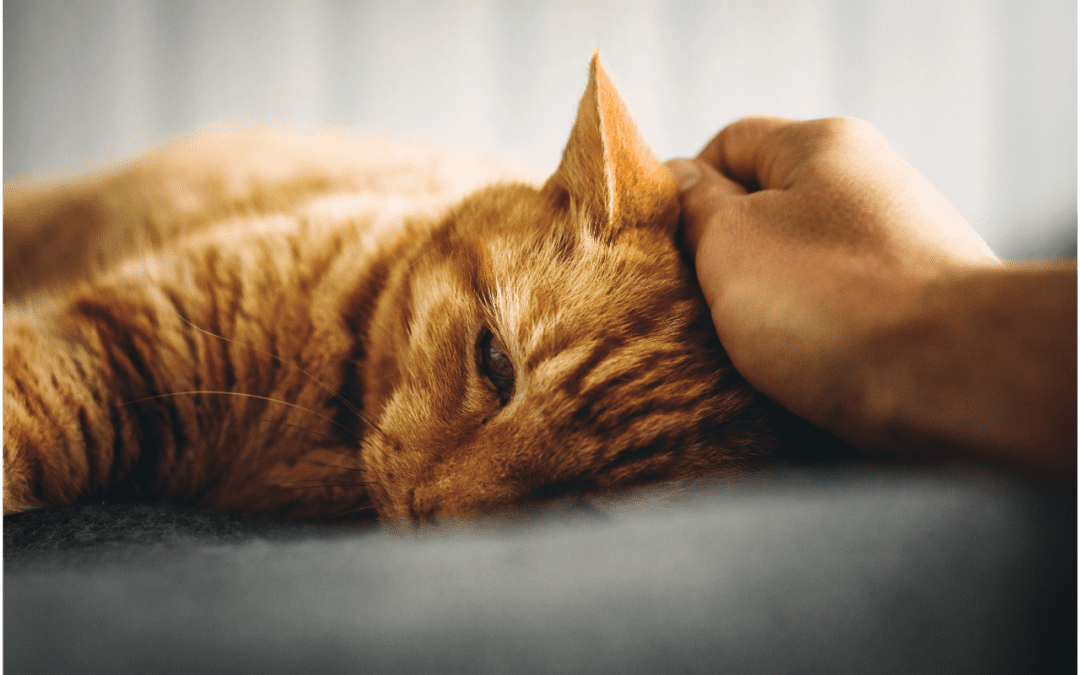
(980, 95)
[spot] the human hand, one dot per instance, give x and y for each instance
(810, 240)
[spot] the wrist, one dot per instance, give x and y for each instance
(884, 379)
(976, 362)
(875, 321)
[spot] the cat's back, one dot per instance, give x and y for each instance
(60, 231)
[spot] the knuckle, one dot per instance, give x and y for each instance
(698, 199)
(844, 128)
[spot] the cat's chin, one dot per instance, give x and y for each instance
(578, 508)
(588, 507)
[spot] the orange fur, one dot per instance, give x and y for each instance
(290, 327)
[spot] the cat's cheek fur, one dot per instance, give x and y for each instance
(423, 453)
(424, 394)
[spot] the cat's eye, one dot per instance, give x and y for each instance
(495, 365)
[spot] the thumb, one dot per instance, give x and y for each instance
(703, 191)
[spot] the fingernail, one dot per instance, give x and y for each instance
(685, 172)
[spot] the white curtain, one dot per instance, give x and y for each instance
(979, 95)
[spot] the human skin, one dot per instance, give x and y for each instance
(845, 287)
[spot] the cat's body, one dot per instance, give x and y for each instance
(237, 328)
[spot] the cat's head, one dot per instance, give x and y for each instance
(553, 340)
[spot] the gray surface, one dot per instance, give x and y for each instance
(849, 572)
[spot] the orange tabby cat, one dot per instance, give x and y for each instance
(252, 323)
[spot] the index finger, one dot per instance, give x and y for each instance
(746, 151)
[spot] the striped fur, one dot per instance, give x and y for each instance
(286, 328)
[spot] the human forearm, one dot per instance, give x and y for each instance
(984, 366)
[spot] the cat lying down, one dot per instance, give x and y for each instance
(301, 328)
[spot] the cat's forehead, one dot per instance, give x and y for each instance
(568, 287)
(535, 269)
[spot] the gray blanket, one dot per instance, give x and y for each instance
(865, 570)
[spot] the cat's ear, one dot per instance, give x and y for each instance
(609, 170)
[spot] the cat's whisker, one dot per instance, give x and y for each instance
(352, 408)
(246, 395)
(351, 454)
(332, 466)
(322, 481)
(318, 484)
(369, 507)
(298, 427)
